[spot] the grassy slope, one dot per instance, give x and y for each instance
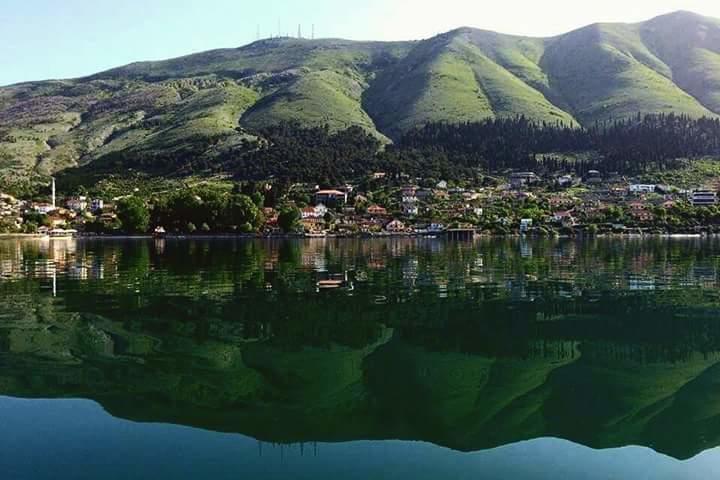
(690, 45)
(317, 98)
(605, 71)
(464, 75)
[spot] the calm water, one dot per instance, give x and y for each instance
(418, 359)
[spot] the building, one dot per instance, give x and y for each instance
(313, 224)
(77, 204)
(525, 225)
(564, 218)
(410, 209)
(97, 204)
(565, 181)
(330, 197)
(424, 194)
(376, 210)
(43, 208)
(703, 198)
(523, 179)
(593, 177)
(408, 195)
(396, 226)
(436, 227)
(639, 188)
(318, 211)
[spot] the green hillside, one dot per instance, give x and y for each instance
(208, 103)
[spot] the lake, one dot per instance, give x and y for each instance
(360, 359)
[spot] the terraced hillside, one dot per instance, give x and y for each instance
(208, 104)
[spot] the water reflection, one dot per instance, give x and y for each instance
(472, 346)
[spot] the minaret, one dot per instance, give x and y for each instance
(53, 193)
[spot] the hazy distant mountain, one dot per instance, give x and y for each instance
(211, 100)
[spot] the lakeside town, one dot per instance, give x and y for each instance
(520, 203)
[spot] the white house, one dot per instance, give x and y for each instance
(318, 211)
(641, 188)
(43, 208)
(703, 198)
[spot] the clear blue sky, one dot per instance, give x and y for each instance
(42, 39)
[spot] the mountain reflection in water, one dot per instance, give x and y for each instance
(471, 346)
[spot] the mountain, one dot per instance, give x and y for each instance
(210, 103)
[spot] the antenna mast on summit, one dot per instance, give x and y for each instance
(299, 30)
(313, 32)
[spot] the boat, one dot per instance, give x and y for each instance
(159, 232)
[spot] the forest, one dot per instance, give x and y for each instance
(466, 150)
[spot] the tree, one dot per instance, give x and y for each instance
(243, 210)
(289, 218)
(133, 214)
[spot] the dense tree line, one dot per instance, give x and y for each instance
(463, 150)
(290, 152)
(625, 146)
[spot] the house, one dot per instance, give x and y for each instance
(593, 177)
(43, 208)
(313, 224)
(77, 204)
(565, 181)
(639, 188)
(424, 194)
(396, 226)
(703, 198)
(330, 197)
(637, 206)
(360, 199)
(441, 195)
(525, 225)
(522, 179)
(97, 204)
(410, 209)
(442, 185)
(408, 195)
(307, 212)
(318, 211)
(564, 218)
(376, 210)
(642, 215)
(436, 227)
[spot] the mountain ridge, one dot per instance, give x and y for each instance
(210, 102)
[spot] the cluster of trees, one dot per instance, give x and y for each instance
(290, 151)
(626, 146)
(456, 151)
(209, 209)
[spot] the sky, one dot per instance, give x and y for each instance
(42, 39)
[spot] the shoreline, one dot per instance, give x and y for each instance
(439, 236)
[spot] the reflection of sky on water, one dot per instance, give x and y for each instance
(76, 439)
